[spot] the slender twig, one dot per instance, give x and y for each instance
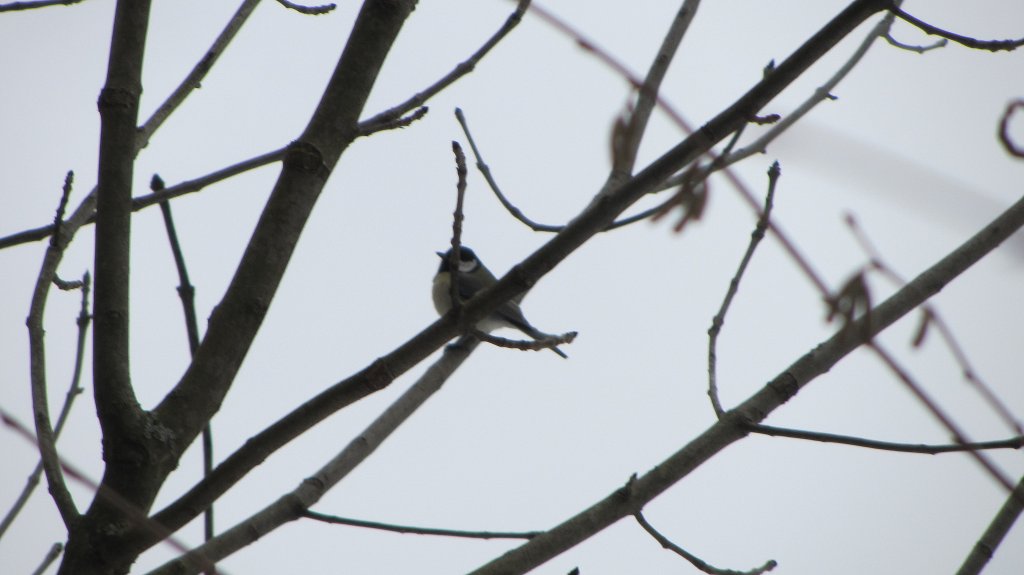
(1004, 129)
(548, 342)
(485, 170)
(635, 125)
(1012, 443)
(400, 122)
(308, 10)
(291, 505)
(51, 556)
(454, 257)
(919, 49)
(693, 559)
(937, 412)
(187, 292)
(58, 218)
(932, 317)
(990, 45)
(822, 94)
(518, 214)
(142, 202)
(389, 116)
(37, 4)
(195, 76)
(719, 320)
(45, 433)
(995, 533)
(74, 391)
(334, 519)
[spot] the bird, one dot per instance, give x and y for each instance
(473, 277)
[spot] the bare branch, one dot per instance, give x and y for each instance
(1004, 129)
(693, 559)
(45, 433)
(719, 320)
(990, 45)
(550, 342)
(13, 6)
(1013, 443)
(334, 519)
(454, 256)
(308, 10)
(647, 97)
(187, 292)
(940, 43)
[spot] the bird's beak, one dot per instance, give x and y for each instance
(440, 254)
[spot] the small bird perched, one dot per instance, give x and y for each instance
(474, 277)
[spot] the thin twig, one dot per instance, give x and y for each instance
(693, 559)
(142, 202)
(308, 10)
(37, 4)
(454, 257)
(74, 391)
(990, 45)
(636, 124)
(389, 116)
(51, 556)
(45, 433)
(484, 170)
(334, 519)
(1004, 129)
(397, 123)
(195, 76)
(187, 292)
(919, 49)
(770, 430)
(58, 218)
(719, 320)
(995, 533)
(549, 342)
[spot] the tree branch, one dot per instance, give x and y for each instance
(334, 519)
(1012, 443)
(719, 320)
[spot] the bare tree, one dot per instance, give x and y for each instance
(141, 499)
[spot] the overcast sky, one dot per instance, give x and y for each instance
(521, 441)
